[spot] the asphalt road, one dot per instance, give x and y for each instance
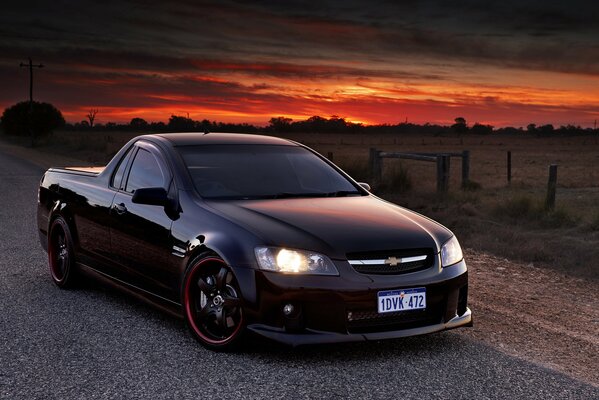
(96, 342)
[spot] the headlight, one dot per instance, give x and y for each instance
(451, 252)
(290, 261)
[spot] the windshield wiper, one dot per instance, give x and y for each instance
(342, 193)
(290, 195)
(338, 193)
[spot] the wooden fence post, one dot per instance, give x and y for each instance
(551, 186)
(465, 168)
(509, 167)
(442, 173)
(376, 167)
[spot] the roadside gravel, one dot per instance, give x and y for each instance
(536, 314)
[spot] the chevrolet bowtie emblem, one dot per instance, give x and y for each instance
(393, 261)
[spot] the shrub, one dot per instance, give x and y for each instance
(524, 209)
(42, 118)
(397, 179)
(594, 222)
(357, 169)
(516, 208)
(471, 186)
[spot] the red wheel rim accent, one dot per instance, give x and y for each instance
(191, 317)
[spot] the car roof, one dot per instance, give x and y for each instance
(199, 138)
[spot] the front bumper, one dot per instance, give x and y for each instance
(344, 308)
(310, 336)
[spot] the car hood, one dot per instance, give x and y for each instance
(335, 226)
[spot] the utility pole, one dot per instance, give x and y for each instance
(31, 65)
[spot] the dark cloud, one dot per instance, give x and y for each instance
(493, 32)
(207, 51)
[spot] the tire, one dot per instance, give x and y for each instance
(212, 304)
(61, 255)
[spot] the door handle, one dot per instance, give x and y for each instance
(120, 208)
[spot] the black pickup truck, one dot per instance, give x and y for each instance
(247, 233)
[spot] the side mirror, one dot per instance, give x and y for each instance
(155, 196)
(364, 185)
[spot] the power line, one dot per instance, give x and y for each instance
(31, 65)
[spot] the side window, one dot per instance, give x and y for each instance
(145, 172)
(120, 171)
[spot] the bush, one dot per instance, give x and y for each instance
(594, 222)
(356, 168)
(471, 186)
(397, 180)
(43, 118)
(525, 210)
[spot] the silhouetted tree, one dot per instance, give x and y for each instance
(138, 124)
(546, 129)
(91, 116)
(480, 129)
(531, 128)
(460, 125)
(158, 126)
(316, 123)
(44, 119)
(205, 126)
(336, 124)
(181, 124)
(280, 124)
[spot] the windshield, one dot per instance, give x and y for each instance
(262, 171)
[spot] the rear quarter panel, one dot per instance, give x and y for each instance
(84, 200)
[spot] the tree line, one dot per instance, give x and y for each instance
(42, 118)
(334, 124)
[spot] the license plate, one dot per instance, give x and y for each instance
(402, 300)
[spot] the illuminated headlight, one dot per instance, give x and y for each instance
(290, 261)
(451, 252)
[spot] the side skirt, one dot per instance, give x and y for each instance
(168, 306)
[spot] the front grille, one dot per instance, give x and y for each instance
(391, 262)
(360, 321)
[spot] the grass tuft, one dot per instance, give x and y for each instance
(471, 186)
(593, 224)
(356, 168)
(526, 210)
(397, 179)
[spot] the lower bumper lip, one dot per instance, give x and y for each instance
(310, 336)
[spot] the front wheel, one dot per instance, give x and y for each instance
(212, 304)
(61, 255)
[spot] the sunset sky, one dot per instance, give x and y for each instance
(509, 62)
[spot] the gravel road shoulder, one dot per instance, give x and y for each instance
(535, 314)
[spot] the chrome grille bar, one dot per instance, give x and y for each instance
(382, 261)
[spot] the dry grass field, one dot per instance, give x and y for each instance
(507, 220)
(578, 157)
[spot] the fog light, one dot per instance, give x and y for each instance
(288, 309)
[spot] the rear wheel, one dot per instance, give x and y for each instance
(61, 256)
(212, 304)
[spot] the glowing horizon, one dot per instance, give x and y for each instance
(507, 66)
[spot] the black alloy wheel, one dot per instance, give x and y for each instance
(212, 304)
(61, 256)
